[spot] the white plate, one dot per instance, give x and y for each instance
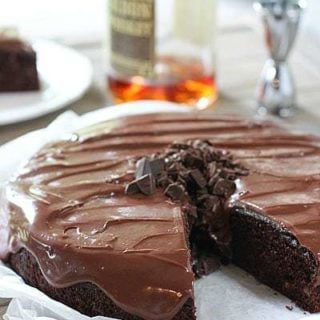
(65, 76)
(228, 294)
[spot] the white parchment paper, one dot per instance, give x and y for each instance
(228, 294)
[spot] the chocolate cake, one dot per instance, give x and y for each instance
(123, 213)
(18, 67)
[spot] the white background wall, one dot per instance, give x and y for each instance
(312, 18)
(84, 20)
(63, 19)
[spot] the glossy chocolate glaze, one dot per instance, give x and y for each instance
(68, 207)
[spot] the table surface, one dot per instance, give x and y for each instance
(241, 55)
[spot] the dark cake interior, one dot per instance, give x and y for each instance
(258, 241)
(113, 214)
(18, 66)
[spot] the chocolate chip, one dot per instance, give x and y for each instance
(173, 170)
(203, 145)
(175, 191)
(203, 197)
(146, 184)
(205, 265)
(212, 167)
(163, 180)
(213, 180)
(201, 192)
(143, 168)
(193, 161)
(156, 166)
(224, 188)
(198, 178)
(182, 181)
(180, 146)
(241, 171)
(205, 175)
(131, 188)
(228, 174)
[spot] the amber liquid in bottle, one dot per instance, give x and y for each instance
(182, 80)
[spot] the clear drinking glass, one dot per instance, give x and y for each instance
(163, 50)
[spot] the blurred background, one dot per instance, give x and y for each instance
(67, 21)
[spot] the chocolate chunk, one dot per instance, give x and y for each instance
(184, 175)
(190, 210)
(180, 145)
(205, 265)
(213, 180)
(228, 174)
(224, 188)
(198, 178)
(182, 181)
(156, 166)
(208, 202)
(201, 192)
(131, 188)
(173, 170)
(193, 211)
(175, 191)
(146, 184)
(241, 171)
(203, 197)
(163, 180)
(193, 161)
(212, 168)
(143, 167)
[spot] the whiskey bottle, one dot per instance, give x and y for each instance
(162, 50)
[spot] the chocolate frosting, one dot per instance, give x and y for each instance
(68, 207)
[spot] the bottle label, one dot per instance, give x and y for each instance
(132, 36)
